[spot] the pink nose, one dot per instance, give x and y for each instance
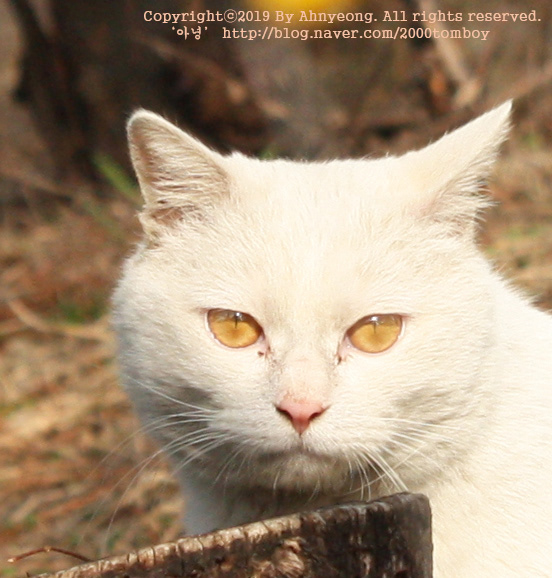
(300, 413)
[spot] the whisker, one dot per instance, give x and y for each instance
(144, 429)
(421, 424)
(170, 449)
(161, 393)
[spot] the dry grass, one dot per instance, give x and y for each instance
(70, 472)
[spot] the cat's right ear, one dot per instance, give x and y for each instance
(177, 174)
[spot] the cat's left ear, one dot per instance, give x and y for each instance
(178, 175)
(448, 175)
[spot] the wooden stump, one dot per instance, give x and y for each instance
(386, 538)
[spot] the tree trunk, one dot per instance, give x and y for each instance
(386, 538)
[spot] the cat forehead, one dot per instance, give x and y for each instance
(308, 206)
(304, 229)
(341, 197)
(315, 217)
(314, 182)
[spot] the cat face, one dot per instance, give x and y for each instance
(309, 326)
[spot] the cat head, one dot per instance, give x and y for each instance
(304, 325)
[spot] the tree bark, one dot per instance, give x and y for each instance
(386, 538)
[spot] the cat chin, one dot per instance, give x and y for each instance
(299, 471)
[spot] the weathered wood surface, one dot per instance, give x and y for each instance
(386, 538)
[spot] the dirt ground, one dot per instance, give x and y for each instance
(75, 471)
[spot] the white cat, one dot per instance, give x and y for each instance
(301, 334)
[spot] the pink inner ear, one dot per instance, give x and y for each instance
(300, 413)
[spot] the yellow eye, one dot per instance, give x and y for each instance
(375, 333)
(232, 328)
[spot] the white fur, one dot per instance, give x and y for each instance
(460, 408)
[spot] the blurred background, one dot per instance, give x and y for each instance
(73, 472)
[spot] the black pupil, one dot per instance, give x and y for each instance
(237, 318)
